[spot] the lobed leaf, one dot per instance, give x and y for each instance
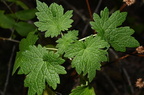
(121, 38)
(88, 55)
(103, 22)
(118, 38)
(52, 19)
(66, 40)
(41, 66)
(24, 45)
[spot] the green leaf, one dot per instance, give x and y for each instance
(83, 90)
(29, 40)
(104, 22)
(24, 45)
(88, 55)
(6, 21)
(18, 61)
(118, 38)
(25, 14)
(121, 38)
(41, 66)
(66, 40)
(23, 28)
(20, 3)
(52, 19)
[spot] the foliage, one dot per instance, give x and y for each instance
(118, 38)
(82, 52)
(24, 45)
(52, 19)
(5, 21)
(18, 21)
(42, 66)
(25, 14)
(65, 42)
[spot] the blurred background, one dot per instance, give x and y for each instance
(115, 77)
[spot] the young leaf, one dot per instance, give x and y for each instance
(66, 40)
(88, 55)
(52, 19)
(41, 67)
(24, 45)
(29, 40)
(118, 38)
(121, 38)
(83, 90)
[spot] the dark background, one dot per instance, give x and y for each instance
(115, 78)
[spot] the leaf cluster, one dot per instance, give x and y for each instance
(43, 66)
(18, 21)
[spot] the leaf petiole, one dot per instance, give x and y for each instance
(54, 49)
(87, 37)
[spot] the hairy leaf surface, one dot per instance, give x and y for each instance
(66, 40)
(121, 38)
(24, 45)
(83, 90)
(104, 22)
(52, 19)
(88, 55)
(118, 38)
(41, 67)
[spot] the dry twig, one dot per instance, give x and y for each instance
(8, 71)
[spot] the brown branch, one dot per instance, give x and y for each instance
(123, 6)
(127, 55)
(89, 9)
(9, 39)
(138, 50)
(127, 3)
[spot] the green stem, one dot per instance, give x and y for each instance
(86, 37)
(54, 49)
